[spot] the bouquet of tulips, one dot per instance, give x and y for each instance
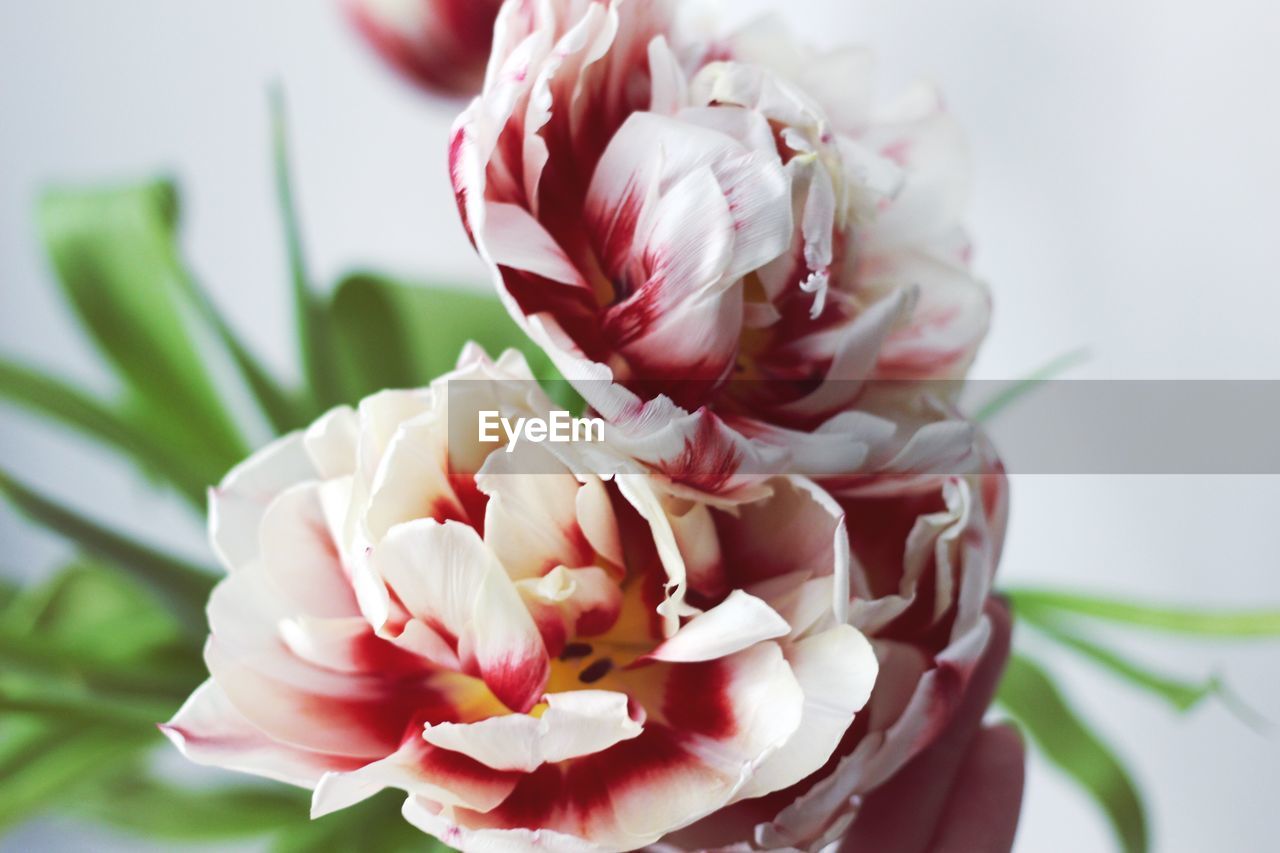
(750, 606)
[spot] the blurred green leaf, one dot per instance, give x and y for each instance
(91, 629)
(115, 254)
(52, 763)
(1181, 694)
(62, 703)
(67, 404)
(162, 811)
(41, 660)
(318, 360)
(85, 603)
(394, 334)
(184, 586)
(1031, 697)
(1178, 620)
(282, 411)
(1017, 390)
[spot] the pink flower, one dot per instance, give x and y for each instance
(441, 45)
(538, 656)
(718, 241)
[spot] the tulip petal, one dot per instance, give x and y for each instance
(714, 723)
(421, 769)
(209, 730)
(531, 523)
(448, 578)
(237, 504)
(740, 621)
(575, 724)
(836, 670)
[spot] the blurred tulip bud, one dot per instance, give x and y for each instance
(440, 45)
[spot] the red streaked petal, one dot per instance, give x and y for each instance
(209, 730)
(421, 769)
(448, 578)
(313, 709)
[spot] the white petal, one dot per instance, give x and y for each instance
(515, 239)
(531, 521)
(447, 577)
(579, 722)
(237, 504)
(331, 442)
(738, 622)
(836, 670)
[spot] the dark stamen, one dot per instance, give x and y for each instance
(575, 650)
(596, 671)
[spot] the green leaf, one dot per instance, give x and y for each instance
(63, 703)
(85, 603)
(52, 763)
(68, 405)
(318, 362)
(282, 411)
(1178, 620)
(92, 627)
(394, 334)
(47, 661)
(1182, 695)
(1029, 695)
(162, 811)
(184, 586)
(115, 254)
(1016, 390)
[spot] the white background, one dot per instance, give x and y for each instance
(1126, 199)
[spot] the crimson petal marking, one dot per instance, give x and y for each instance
(419, 768)
(571, 602)
(436, 820)
(686, 246)
(360, 717)
(448, 578)
(722, 719)
(350, 646)
(799, 528)
(209, 730)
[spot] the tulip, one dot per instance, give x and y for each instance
(440, 45)
(718, 241)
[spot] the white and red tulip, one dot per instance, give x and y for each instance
(539, 658)
(717, 242)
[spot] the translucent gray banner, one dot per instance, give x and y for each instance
(1049, 427)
